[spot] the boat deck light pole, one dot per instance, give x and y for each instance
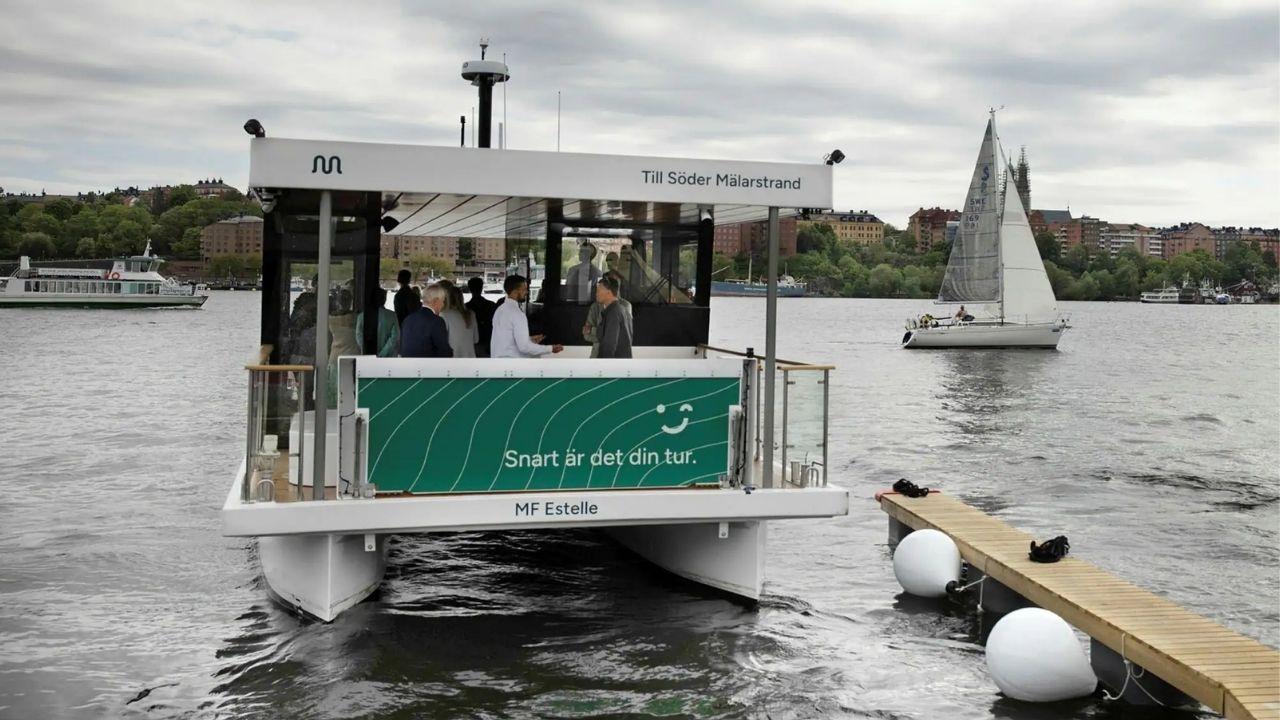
(320, 414)
(770, 345)
(484, 74)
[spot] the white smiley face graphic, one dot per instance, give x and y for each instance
(684, 423)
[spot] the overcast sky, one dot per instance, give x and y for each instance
(1153, 113)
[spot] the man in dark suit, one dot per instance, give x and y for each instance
(483, 308)
(615, 323)
(406, 300)
(424, 334)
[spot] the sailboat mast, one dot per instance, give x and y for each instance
(995, 151)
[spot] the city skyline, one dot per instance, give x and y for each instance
(1132, 114)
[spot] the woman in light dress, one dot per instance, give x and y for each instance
(464, 331)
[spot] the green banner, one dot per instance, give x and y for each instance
(468, 435)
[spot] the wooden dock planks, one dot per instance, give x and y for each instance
(1231, 674)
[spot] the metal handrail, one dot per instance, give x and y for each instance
(704, 347)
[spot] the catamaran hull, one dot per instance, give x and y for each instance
(976, 335)
(733, 563)
(105, 301)
(322, 575)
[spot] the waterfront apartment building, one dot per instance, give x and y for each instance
(1187, 237)
(240, 235)
(750, 237)
(1048, 220)
(929, 227)
(1115, 237)
(211, 187)
(1083, 230)
(1267, 240)
(447, 248)
(755, 236)
(727, 239)
(854, 228)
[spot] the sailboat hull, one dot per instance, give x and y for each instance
(980, 335)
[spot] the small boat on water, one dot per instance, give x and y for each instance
(125, 282)
(995, 272)
(1167, 295)
(787, 287)
(746, 287)
(1188, 294)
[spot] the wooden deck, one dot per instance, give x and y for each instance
(1228, 672)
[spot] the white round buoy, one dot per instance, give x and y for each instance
(925, 561)
(1034, 655)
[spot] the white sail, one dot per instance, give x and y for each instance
(1028, 296)
(973, 270)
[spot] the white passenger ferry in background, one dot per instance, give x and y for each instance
(126, 282)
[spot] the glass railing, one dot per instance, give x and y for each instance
(275, 458)
(801, 418)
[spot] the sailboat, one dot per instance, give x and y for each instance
(995, 272)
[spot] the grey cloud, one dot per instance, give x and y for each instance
(158, 98)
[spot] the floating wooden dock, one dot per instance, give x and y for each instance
(1231, 674)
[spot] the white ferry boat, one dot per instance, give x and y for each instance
(125, 282)
(675, 453)
(1165, 295)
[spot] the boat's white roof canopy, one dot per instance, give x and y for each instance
(482, 192)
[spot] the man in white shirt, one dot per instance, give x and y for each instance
(511, 337)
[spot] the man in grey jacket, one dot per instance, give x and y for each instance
(615, 324)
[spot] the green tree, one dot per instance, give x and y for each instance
(87, 247)
(1086, 288)
(1061, 281)
(817, 237)
(188, 247)
(179, 196)
(1127, 280)
(466, 251)
(429, 265)
(61, 208)
(1076, 259)
(252, 265)
(1244, 261)
(79, 226)
(885, 280)
(36, 245)
(126, 238)
(227, 266)
(1050, 248)
(33, 218)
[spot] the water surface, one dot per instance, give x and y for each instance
(1151, 438)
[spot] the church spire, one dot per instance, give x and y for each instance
(1022, 179)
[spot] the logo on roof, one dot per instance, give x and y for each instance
(332, 164)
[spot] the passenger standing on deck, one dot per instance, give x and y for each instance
(615, 323)
(424, 334)
(406, 299)
(483, 309)
(591, 329)
(388, 327)
(581, 278)
(463, 330)
(511, 328)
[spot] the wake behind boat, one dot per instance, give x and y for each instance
(995, 268)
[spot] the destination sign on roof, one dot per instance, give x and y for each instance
(376, 167)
